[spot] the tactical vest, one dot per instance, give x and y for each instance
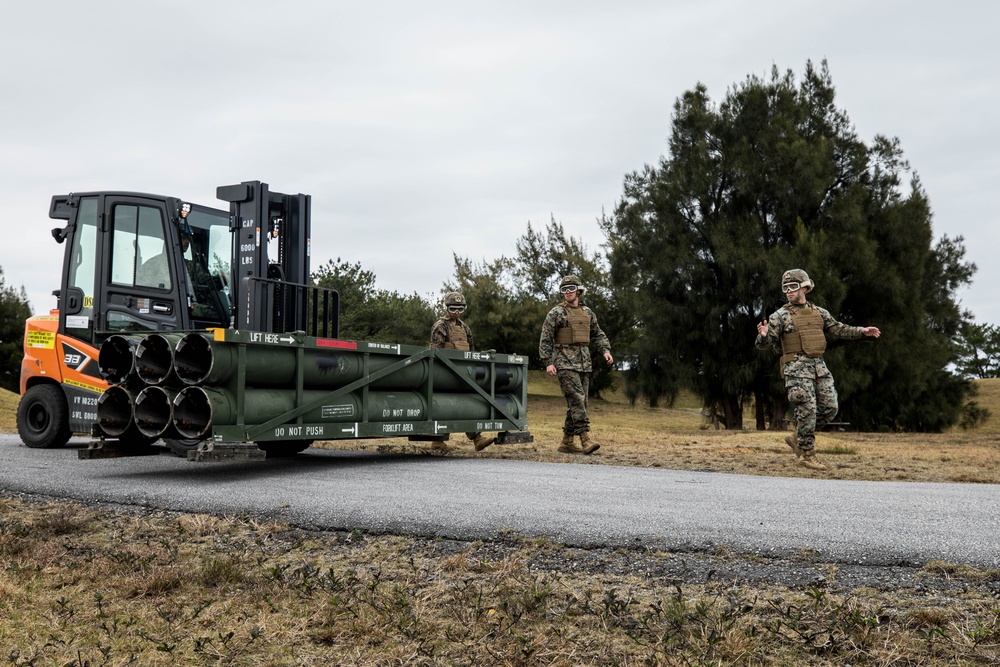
(808, 336)
(457, 340)
(577, 329)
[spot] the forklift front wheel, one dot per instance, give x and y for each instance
(43, 417)
(181, 446)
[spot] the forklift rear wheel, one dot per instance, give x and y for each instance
(43, 417)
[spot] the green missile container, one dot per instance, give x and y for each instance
(201, 361)
(197, 409)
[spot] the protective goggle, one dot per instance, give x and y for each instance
(566, 289)
(456, 309)
(790, 287)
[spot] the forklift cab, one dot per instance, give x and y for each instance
(140, 263)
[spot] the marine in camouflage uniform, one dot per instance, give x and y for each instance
(564, 347)
(798, 331)
(451, 333)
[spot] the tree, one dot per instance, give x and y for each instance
(509, 298)
(773, 178)
(979, 351)
(371, 314)
(14, 310)
(501, 316)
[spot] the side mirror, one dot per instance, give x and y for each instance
(59, 234)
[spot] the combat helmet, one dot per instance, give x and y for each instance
(454, 300)
(797, 276)
(572, 281)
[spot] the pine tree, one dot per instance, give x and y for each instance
(775, 178)
(368, 313)
(14, 310)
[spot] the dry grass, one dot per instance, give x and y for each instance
(988, 396)
(88, 587)
(8, 411)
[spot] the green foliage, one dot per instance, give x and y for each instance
(14, 310)
(979, 351)
(371, 314)
(509, 298)
(773, 178)
(502, 317)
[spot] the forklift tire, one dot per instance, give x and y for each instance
(181, 446)
(43, 417)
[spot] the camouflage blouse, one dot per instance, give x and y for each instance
(439, 333)
(569, 357)
(802, 365)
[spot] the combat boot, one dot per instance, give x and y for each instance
(567, 446)
(589, 446)
(481, 442)
(793, 442)
(810, 461)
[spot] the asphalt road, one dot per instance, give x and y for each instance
(873, 523)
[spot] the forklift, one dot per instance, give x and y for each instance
(140, 263)
(199, 327)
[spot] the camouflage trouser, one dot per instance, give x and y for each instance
(815, 403)
(575, 386)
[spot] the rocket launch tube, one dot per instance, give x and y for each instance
(199, 360)
(153, 411)
(117, 358)
(154, 358)
(114, 411)
(197, 409)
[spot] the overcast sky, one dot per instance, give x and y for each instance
(423, 129)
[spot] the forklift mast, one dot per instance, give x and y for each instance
(270, 295)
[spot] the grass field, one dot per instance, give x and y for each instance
(88, 586)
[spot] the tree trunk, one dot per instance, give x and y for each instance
(758, 409)
(779, 409)
(732, 413)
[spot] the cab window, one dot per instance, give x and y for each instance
(82, 268)
(139, 251)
